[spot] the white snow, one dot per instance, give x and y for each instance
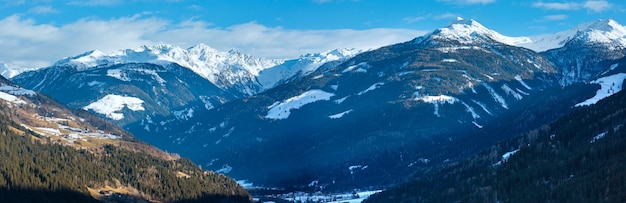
(608, 86)
(94, 83)
(373, 87)
(496, 96)
(441, 99)
(362, 196)
(51, 130)
(349, 197)
(339, 115)
(111, 105)
(519, 79)
(11, 70)
(11, 98)
(597, 137)
(602, 31)
(283, 109)
(184, 114)
(470, 110)
(302, 66)
(405, 73)
(17, 91)
(506, 156)
(339, 101)
(436, 100)
(449, 60)
(511, 92)
(224, 69)
(470, 31)
(354, 168)
(483, 106)
(476, 124)
(118, 73)
(362, 65)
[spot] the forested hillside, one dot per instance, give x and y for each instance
(32, 171)
(578, 158)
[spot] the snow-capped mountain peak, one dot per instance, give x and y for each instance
(603, 31)
(599, 31)
(331, 55)
(469, 31)
(202, 59)
(302, 66)
(228, 70)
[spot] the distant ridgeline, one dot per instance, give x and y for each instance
(34, 172)
(578, 158)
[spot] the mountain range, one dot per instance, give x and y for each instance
(344, 118)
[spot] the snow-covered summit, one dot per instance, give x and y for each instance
(302, 66)
(603, 31)
(202, 59)
(231, 69)
(606, 31)
(470, 31)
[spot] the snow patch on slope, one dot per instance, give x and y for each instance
(511, 92)
(373, 87)
(496, 96)
(17, 91)
(111, 105)
(282, 110)
(339, 115)
(519, 79)
(608, 86)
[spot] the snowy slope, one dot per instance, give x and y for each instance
(10, 70)
(302, 66)
(470, 32)
(282, 110)
(606, 31)
(201, 59)
(111, 105)
(608, 86)
(231, 69)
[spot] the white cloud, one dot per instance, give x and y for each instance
(597, 5)
(443, 16)
(42, 10)
(414, 19)
(590, 5)
(446, 16)
(555, 17)
(557, 6)
(468, 1)
(24, 42)
(96, 2)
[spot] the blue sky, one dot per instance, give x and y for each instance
(38, 32)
